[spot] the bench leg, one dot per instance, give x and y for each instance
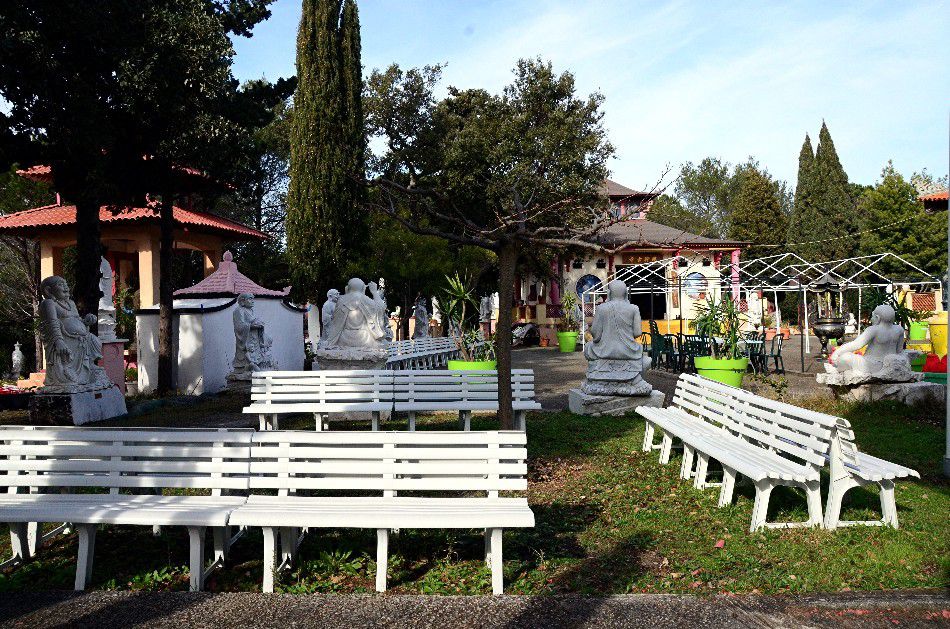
(813, 496)
(376, 418)
(262, 422)
(686, 467)
(521, 420)
(763, 491)
(488, 547)
(270, 558)
(87, 549)
(196, 564)
(288, 544)
(382, 558)
(728, 486)
(665, 447)
(836, 491)
(465, 420)
(20, 541)
(412, 421)
(34, 537)
(318, 422)
(702, 466)
(888, 503)
(648, 436)
(222, 542)
(497, 573)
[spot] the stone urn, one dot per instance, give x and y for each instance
(827, 328)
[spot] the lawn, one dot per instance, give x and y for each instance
(609, 520)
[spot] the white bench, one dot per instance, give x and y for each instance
(130, 465)
(396, 466)
(321, 393)
(426, 353)
(772, 443)
(462, 391)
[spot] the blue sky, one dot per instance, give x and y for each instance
(684, 80)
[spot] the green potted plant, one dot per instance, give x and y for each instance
(478, 353)
(567, 325)
(720, 321)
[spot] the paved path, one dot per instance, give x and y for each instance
(181, 609)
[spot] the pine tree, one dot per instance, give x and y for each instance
(758, 215)
(803, 210)
(318, 189)
(838, 214)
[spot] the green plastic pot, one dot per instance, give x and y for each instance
(917, 364)
(725, 370)
(472, 365)
(567, 341)
(918, 330)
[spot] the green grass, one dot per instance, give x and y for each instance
(609, 520)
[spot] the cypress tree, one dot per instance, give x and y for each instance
(318, 190)
(351, 69)
(806, 223)
(834, 202)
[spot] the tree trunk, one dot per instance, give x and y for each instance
(165, 296)
(507, 259)
(88, 257)
(35, 302)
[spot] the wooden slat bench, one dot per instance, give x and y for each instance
(303, 467)
(462, 391)
(772, 443)
(109, 476)
(320, 392)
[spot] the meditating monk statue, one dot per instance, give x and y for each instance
(359, 320)
(615, 360)
(885, 343)
(71, 350)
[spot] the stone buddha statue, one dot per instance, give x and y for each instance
(883, 359)
(252, 347)
(356, 337)
(615, 358)
(333, 296)
(71, 350)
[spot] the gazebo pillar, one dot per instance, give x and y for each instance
(148, 271)
(51, 260)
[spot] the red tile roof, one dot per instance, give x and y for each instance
(227, 280)
(936, 196)
(31, 222)
(935, 201)
(43, 173)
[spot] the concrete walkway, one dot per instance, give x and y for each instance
(181, 609)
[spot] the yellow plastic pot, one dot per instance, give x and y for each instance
(938, 333)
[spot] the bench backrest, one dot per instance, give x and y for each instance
(777, 426)
(341, 387)
(459, 386)
(120, 459)
(352, 463)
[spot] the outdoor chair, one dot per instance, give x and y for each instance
(775, 354)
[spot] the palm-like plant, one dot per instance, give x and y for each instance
(458, 295)
(568, 321)
(720, 321)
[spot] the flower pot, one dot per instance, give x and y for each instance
(917, 364)
(544, 342)
(725, 370)
(567, 341)
(938, 333)
(918, 330)
(472, 365)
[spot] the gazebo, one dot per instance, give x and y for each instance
(129, 235)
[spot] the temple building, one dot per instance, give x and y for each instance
(700, 263)
(129, 235)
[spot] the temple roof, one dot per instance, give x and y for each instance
(617, 191)
(31, 223)
(227, 280)
(645, 233)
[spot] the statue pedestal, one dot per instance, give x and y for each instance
(64, 409)
(113, 361)
(582, 403)
(349, 358)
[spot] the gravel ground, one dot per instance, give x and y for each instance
(96, 609)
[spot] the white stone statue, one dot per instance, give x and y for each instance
(17, 360)
(485, 309)
(884, 358)
(106, 305)
(422, 320)
(333, 295)
(615, 358)
(252, 347)
(356, 336)
(71, 350)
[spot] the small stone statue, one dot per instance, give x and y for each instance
(485, 308)
(422, 319)
(71, 350)
(106, 305)
(333, 295)
(252, 347)
(615, 358)
(884, 358)
(17, 359)
(356, 335)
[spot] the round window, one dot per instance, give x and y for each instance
(586, 283)
(696, 285)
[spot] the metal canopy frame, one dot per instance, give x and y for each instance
(780, 273)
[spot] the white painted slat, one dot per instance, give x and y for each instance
(510, 437)
(420, 453)
(377, 466)
(394, 484)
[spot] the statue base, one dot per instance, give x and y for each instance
(113, 361)
(349, 358)
(64, 409)
(582, 403)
